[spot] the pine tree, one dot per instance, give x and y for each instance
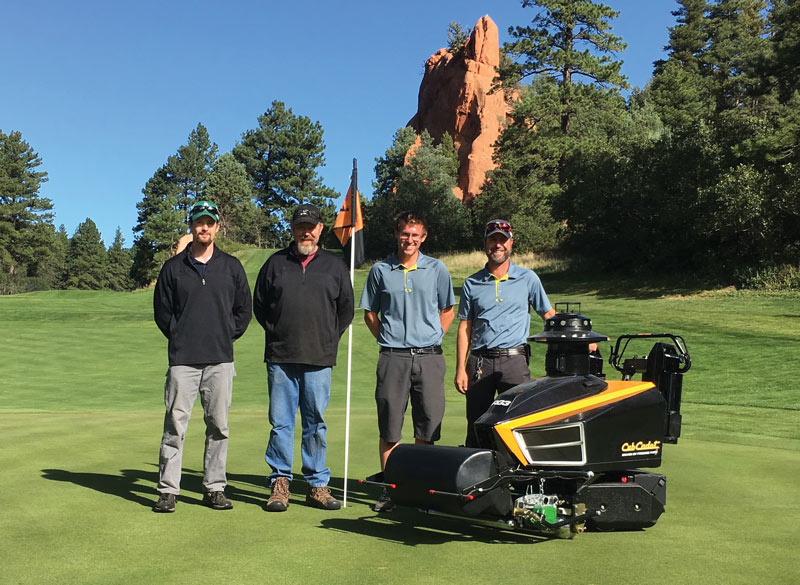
(784, 65)
(680, 89)
(87, 260)
(25, 216)
(168, 195)
(569, 55)
(568, 40)
(282, 157)
(688, 39)
(421, 181)
(120, 262)
(737, 51)
(161, 222)
(229, 188)
(191, 167)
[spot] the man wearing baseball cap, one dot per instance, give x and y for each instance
(491, 350)
(304, 301)
(201, 304)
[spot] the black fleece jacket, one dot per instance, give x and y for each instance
(303, 311)
(201, 316)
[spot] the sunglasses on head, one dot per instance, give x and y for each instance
(203, 207)
(498, 225)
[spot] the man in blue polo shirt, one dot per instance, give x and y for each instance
(408, 305)
(491, 350)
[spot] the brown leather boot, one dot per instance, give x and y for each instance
(279, 500)
(320, 497)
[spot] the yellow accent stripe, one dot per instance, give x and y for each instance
(616, 391)
(497, 282)
(405, 275)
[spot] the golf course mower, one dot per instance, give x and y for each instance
(562, 453)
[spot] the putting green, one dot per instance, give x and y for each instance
(78, 489)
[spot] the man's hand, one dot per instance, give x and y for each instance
(461, 381)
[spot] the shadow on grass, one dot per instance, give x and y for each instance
(413, 528)
(134, 485)
(138, 485)
(403, 525)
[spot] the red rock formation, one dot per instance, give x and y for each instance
(455, 97)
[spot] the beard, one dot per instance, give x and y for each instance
(306, 247)
(499, 256)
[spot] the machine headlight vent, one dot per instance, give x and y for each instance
(556, 445)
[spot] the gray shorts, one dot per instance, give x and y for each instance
(420, 377)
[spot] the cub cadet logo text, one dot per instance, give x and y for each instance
(640, 448)
(501, 403)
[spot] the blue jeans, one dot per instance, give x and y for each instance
(309, 388)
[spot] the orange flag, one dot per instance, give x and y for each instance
(349, 227)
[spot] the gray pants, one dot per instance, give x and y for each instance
(214, 382)
(418, 377)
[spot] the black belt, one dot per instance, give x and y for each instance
(496, 353)
(433, 349)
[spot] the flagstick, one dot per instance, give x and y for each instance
(353, 196)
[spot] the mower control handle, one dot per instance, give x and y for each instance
(616, 361)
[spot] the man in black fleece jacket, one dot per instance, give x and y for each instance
(304, 301)
(201, 304)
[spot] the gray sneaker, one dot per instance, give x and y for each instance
(217, 501)
(279, 500)
(165, 503)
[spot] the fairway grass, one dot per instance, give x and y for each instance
(80, 425)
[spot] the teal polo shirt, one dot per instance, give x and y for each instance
(408, 301)
(499, 308)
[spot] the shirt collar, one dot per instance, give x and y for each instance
(486, 276)
(394, 262)
(193, 260)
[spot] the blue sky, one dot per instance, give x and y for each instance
(106, 91)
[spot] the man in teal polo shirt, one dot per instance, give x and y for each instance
(491, 350)
(408, 305)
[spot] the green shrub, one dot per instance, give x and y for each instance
(771, 278)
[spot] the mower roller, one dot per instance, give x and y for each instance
(562, 453)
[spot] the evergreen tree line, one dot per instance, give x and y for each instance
(33, 254)
(257, 186)
(698, 172)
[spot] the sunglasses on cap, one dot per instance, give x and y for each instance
(210, 207)
(494, 226)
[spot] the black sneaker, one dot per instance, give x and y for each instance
(165, 503)
(217, 501)
(384, 503)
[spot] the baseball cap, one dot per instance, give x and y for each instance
(306, 213)
(201, 208)
(498, 226)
